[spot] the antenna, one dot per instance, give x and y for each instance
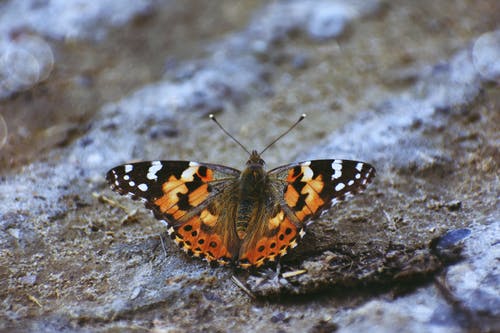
(269, 145)
(228, 134)
(285, 133)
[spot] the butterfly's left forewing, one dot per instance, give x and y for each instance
(194, 199)
(312, 187)
(296, 194)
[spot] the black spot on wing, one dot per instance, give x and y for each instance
(183, 202)
(202, 170)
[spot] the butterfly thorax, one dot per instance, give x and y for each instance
(251, 192)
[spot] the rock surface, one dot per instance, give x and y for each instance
(411, 87)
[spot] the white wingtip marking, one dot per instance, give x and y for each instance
(153, 169)
(339, 186)
(337, 168)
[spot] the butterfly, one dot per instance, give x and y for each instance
(245, 218)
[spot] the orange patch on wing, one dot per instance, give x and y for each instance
(317, 184)
(175, 212)
(169, 200)
(269, 248)
(199, 195)
(172, 183)
(208, 218)
(302, 214)
(291, 178)
(311, 189)
(291, 196)
(276, 220)
(287, 233)
(207, 245)
(313, 200)
(208, 177)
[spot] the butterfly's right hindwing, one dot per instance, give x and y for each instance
(194, 199)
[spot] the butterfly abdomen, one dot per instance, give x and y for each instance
(243, 215)
(251, 194)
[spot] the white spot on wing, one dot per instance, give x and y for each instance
(153, 169)
(359, 166)
(308, 173)
(339, 187)
(128, 168)
(350, 182)
(357, 176)
(193, 164)
(187, 175)
(126, 177)
(131, 183)
(337, 169)
(142, 187)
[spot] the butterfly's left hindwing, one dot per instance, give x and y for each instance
(269, 239)
(297, 193)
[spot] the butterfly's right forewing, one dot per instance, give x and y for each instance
(194, 199)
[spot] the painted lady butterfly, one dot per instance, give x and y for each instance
(244, 217)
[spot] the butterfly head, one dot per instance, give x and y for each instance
(255, 167)
(255, 161)
(254, 173)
